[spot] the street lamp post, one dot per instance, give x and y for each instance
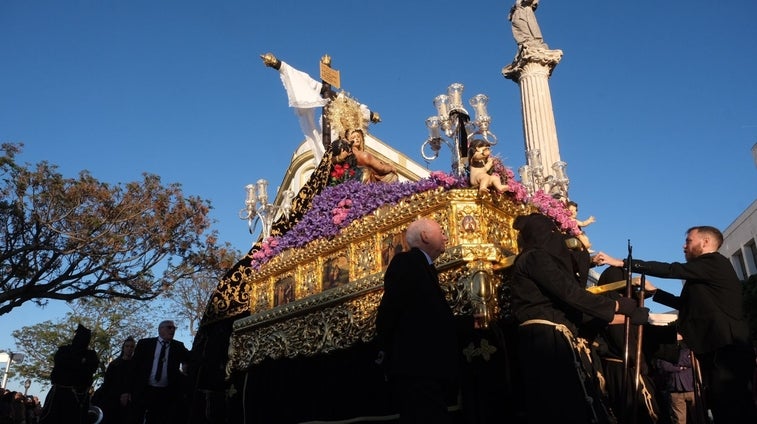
(9, 358)
(27, 384)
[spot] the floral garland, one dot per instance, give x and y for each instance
(338, 205)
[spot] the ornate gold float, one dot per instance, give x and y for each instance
(298, 308)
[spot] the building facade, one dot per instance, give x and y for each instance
(740, 242)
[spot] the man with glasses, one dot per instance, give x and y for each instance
(159, 383)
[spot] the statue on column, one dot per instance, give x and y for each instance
(525, 27)
(531, 45)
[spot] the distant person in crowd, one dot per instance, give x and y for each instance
(679, 385)
(557, 371)
(158, 385)
(74, 367)
(6, 406)
(711, 320)
(416, 329)
(113, 396)
(33, 409)
(12, 407)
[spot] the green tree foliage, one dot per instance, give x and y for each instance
(110, 321)
(71, 238)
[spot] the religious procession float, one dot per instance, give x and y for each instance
(289, 334)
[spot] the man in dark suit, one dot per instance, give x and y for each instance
(711, 320)
(158, 384)
(416, 328)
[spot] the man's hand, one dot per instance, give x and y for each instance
(603, 258)
(648, 287)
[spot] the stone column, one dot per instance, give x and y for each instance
(531, 70)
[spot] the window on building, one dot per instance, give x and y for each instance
(750, 254)
(738, 264)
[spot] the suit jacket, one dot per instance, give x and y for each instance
(710, 307)
(144, 355)
(414, 322)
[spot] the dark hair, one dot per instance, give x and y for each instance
(711, 231)
(339, 146)
(475, 144)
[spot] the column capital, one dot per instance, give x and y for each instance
(530, 55)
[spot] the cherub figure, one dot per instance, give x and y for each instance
(573, 208)
(481, 164)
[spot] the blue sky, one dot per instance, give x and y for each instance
(655, 103)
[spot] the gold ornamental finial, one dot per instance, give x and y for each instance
(270, 60)
(326, 60)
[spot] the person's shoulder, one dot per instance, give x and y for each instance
(146, 341)
(411, 254)
(711, 257)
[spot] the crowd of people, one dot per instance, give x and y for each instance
(145, 384)
(17, 408)
(579, 353)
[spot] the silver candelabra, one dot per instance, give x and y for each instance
(257, 207)
(532, 176)
(458, 129)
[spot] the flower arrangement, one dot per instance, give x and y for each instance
(340, 173)
(340, 211)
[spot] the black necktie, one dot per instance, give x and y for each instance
(161, 359)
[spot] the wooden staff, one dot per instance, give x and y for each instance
(637, 370)
(626, 339)
(700, 405)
